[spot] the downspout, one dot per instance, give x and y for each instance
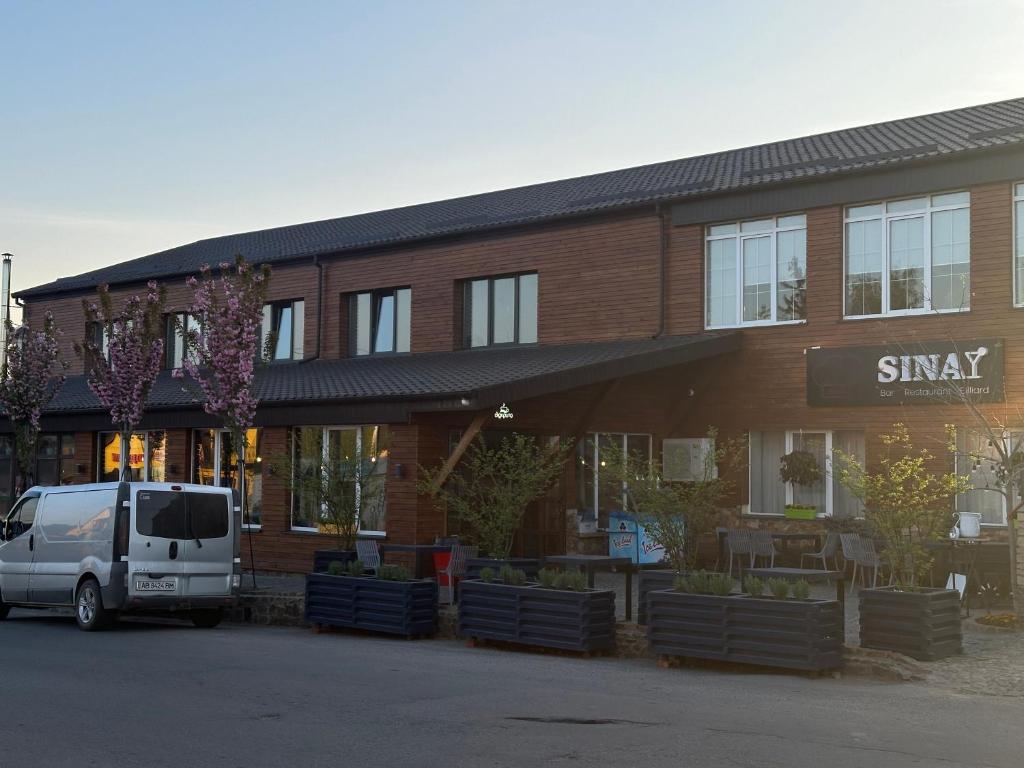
(663, 232)
(319, 306)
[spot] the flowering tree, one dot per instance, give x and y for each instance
(222, 346)
(32, 372)
(124, 355)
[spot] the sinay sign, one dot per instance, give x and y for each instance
(906, 374)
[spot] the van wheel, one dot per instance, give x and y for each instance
(4, 609)
(89, 611)
(207, 618)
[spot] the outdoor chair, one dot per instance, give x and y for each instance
(456, 570)
(368, 553)
(867, 558)
(762, 545)
(740, 545)
(850, 543)
(830, 549)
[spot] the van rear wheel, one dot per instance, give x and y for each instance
(89, 611)
(207, 618)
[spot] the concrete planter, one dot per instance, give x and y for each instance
(529, 565)
(530, 615)
(793, 634)
(359, 602)
(322, 558)
(647, 582)
(921, 623)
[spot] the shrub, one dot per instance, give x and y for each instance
(355, 568)
(393, 573)
(336, 568)
(700, 583)
(753, 586)
(512, 576)
(801, 590)
(719, 584)
(575, 581)
(779, 588)
(487, 575)
(682, 584)
(547, 577)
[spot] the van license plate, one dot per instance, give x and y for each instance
(142, 585)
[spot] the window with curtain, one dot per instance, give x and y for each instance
(380, 321)
(756, 272)
(215, 462)
(769, 495)
(908, 256)
(500, 310)
(978, 459)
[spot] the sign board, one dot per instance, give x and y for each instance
(912, 373)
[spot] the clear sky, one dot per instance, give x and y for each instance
(130, 127)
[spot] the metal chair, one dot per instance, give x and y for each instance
(830, 549)
(740, 544)
(762, 545)
(850, 543)
(456, 570)
(368, 554)
(867, 557)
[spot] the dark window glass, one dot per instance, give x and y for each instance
(380, 321)
(501, 310)
(209, 515)
(161, 514)
(384, 339)
(283, 330)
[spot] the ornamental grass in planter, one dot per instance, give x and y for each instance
(908, 507)
(703, 618)
(389, 602)
(557, 612)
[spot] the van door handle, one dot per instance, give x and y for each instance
(31, 542)
(172, 550)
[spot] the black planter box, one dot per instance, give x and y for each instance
(397, 607)
(794, 634)
(529, 565)
(923, 624)
(530, 615)
(322, 558)
(647, 582)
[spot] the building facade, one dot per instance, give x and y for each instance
(799, 295)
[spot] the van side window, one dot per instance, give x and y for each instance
(209, 515)
(22, 518)
(161, 514)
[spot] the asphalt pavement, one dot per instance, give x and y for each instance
(153, 694)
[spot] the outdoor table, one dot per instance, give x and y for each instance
(963, 558)
(424, 554)
(593, 563)
(786, 538)
(811, 576)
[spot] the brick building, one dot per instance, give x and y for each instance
(794, 292)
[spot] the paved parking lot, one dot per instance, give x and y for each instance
(165, 694)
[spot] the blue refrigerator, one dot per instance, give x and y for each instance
(629, 538)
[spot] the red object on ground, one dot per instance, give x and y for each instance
(441, 560)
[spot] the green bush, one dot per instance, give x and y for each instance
(487, 575)
(719, 584)
(801, 590)
(393, 573)
(779, 588)
(574, 581)
(682, 584)
(355, 568)
(753, 586)
(547, 577)
(700, 583)
(512, 576)
(336, 568)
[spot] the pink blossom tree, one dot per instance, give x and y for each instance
(124, 355)
(32, 373)
(223, 346)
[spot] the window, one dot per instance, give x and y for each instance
(174, 339)
(594, 492)
(216, 463)
(97, 333)
(500, 310)
(146, 458)
(21, 519)
(379, 321)
(284, 324)
(908, 256)
(756, 272)
(1018, 244)
(359, 453)
(769, 495)
(177, 515)
(979, 460)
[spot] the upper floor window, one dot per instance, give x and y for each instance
(174, 338)
(909, 256)
(284, 324)
(1018, 243)
(380, 321)
(98, 334)
(757, 272)
(500, 310)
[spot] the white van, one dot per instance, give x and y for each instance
(108, 548)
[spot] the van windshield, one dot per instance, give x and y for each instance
(165, 515)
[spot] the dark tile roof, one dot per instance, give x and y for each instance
(881, 144)
(486, 376)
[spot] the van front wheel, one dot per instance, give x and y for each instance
(207, 618)
(89, 611)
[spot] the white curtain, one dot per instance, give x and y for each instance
(844, 503)
(767, 491)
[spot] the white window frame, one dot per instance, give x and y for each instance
(1008, 443)
(595, 474)
(826, 470)
(885, 217)
(218, 436)
(739, 236)
(325, 458)
(1017, 191)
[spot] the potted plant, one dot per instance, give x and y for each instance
(389, 601)
(329, 484)
(488, 493)
(678, 515)
(800, 468)
(907, 506)
(701, 617)
(559, 611)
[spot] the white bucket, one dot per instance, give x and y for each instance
(969, 524)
